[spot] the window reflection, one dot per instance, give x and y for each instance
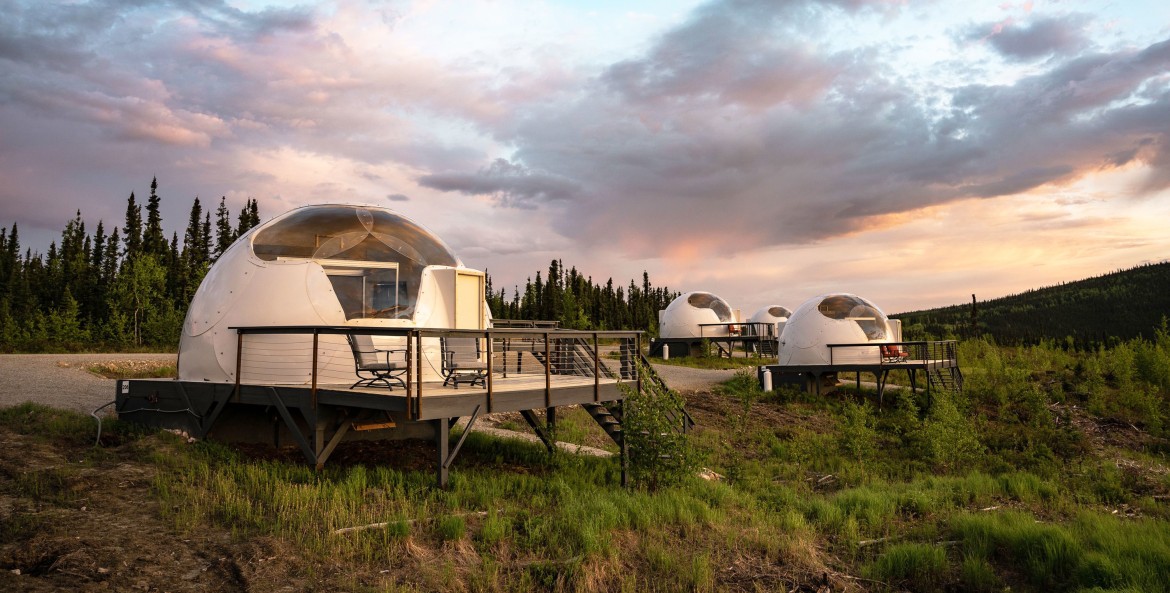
(854, 308)
(706, 300)
(374, 258)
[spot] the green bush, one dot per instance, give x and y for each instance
(948, 436)
(858, 437)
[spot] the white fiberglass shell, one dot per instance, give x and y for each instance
(325, 265)
(770, 314)
(833, 319)
(682, 316)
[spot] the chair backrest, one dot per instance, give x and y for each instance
(461, 349)
(362, 345)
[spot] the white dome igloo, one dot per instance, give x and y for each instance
(682, 316)
(321, 265)
(833, 319)
(770, 314)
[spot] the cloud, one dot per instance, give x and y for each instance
(669, 158)
(509, 184)
(741, 127)
(1062, 35)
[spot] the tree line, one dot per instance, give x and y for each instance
(124, 287)
(1104, 310)
(574, 300)
(128, 287)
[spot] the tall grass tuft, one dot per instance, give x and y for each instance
(920, 567)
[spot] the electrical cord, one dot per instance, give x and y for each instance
(98, 441)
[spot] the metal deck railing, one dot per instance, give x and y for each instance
(939, 353)
(511, 355)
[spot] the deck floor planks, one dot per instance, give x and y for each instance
(525, 392)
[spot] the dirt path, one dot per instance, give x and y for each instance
(681, 378)
(60, 380)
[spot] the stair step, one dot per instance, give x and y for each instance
(373, 425)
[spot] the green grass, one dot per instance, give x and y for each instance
(1011, 485)
(920, 567)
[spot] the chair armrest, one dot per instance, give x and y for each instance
(379, 351)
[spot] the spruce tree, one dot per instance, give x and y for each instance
(154, 241)
(132, 229)
(224, 233)
(249, 217)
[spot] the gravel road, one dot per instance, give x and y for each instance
(60, 380)
(689, 379)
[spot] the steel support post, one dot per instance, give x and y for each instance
(625, 448)
(443, 444)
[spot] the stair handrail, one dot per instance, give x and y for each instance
(686, 421)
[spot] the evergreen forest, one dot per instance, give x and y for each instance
(128, 287)
(121, 288)
(1104, 310)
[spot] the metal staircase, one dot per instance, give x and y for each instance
(577, 356)
(679, 417)
(949, 379)
(767, 347)
(609, 420)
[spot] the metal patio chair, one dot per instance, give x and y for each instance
(374, 365)
(461, 362)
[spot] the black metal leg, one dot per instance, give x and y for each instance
(442, 443)
(540, 430)
(625, 450)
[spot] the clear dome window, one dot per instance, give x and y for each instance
(706, 300)
(853, 308)
(373, 257)
(778, 311)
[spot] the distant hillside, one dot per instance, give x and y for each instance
(1117, 306)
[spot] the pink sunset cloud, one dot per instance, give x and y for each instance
(756, 146)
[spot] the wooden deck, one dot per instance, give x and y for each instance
(297, 390)
(938, 362)
(511, 394)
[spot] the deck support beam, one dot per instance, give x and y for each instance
(298, 436)
(339, 434)
(209, 420)
(466, 431)
(542, 430)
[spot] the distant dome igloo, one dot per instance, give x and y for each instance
(324, 265)
(833, 319)
(770, 314)
(682, 317)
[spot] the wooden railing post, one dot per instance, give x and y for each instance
(488, 336)
(409, 376)
(418, 354)
(596, 370)
(547, 373)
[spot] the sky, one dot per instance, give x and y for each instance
(911, 152)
